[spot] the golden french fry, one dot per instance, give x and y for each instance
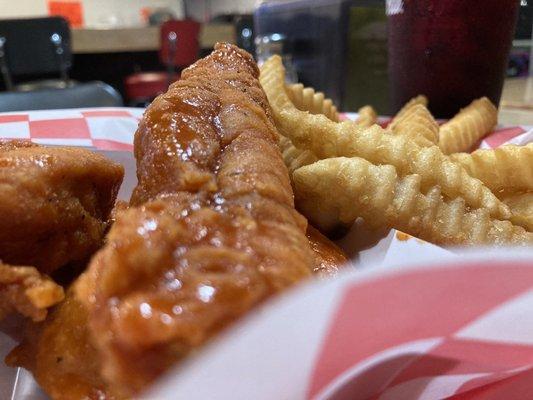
(295, 158)
(418, 125)
(306, 99)
(470, 125)
(521, 205)
(374, 145)
(503, 170)
(367, 117)
(329, 139)
(418, 100)
(343, 189)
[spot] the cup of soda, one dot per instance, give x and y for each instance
(452, 51)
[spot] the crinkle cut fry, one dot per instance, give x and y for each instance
(420, 99)
(470, 125)
(328, 139)
(306, 99)
(505, 169)
(214, 231)
(521, 204)
(367, 117)
(418, 125)
(295, 158)
(383, 199)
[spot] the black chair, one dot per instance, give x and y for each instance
(35, 47)
(91, 94)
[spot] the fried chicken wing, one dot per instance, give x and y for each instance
(329, 258)
(54, 203)
(211, 231)
(54, 206)
(52, 350)
(26, 291)
(60, 355)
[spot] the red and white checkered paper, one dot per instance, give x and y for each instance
(462, 330)
(101, 128)
(113, 128)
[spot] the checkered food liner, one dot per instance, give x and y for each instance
(382, 332)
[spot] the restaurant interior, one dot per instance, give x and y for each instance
(266, 199)
(90, 53)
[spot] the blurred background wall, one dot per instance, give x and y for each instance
(95, 13)
(205, 10)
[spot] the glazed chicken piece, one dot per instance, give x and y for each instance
(54, 203)
(329, 258)
(52, 350)
(211, 231)
(26, 291)
(60, 355)
(54, 207)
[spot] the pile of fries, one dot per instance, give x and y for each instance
(414, 176)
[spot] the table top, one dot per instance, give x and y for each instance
(516, 105)
(114, 40)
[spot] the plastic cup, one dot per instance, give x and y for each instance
(452, 51)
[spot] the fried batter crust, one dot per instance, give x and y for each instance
(329, 258)
(26, 291)
(60, 355)
(54, 203)
(212, 231)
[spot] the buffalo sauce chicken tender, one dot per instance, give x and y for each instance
(211, 232)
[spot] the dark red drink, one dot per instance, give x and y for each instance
(453, 51)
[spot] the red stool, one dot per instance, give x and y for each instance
(179, 49)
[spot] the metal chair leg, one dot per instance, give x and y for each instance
(57, 41)
(172, 46)
(4, 70)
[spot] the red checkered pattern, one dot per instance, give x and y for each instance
(101, 128)
(113, 128)
(468, 333)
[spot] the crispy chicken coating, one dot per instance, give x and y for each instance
(211, 231)
(54, 203)
(26, 291)
(60, 355)
(329, 258)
